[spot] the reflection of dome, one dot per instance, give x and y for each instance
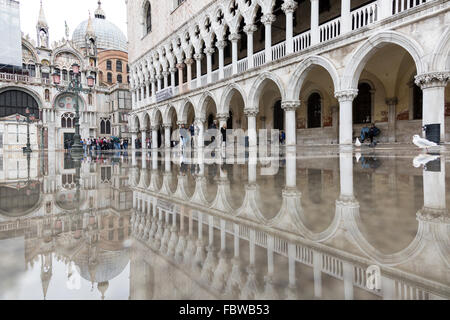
(109, 36)
(67, 200)
(17, 202)
(109, 265)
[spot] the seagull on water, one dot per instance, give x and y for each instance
(423, 143)
(358, 143)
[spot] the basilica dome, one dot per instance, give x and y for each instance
(109, 36)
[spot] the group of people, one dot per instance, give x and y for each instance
(104, 144)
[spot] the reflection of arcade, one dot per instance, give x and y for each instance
(207, 249)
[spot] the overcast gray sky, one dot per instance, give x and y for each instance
(73, 11)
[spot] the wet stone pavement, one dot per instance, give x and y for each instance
(307, 223)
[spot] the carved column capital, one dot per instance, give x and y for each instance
(432, 79)
(209, 51)
(268, 19)
(346, 95)
(222, 116)
(154, 128)
(290, 105)
(234, 37)
(221, 44)
(392, 101)
(289, 6)
(251, 113)
(250, 29)
(180, 66)
(189, 61)
(198, 56)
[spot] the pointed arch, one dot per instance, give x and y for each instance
(227, 95)
(440, 60)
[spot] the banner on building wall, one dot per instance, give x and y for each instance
(10, 35)
(163, 95)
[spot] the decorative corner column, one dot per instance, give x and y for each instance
(209, 52)
(250, 29)
(335, 119)
(433, 86)
(289, 7)
(315, 34)
(234, 38)
(345, 99)
(198, 58)
(267, 20)
(160, 78)
(251, 120)
(290, 108)
(392, 116)
(221, 45)
(153, 81)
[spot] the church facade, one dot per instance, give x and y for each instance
(98, 47)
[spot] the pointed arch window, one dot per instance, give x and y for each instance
(119, 78)
(109, 77)
(148, 17)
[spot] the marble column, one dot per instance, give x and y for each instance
(234, 38)
(290, 108)
(345, 99)
(133, 138)
(189, 63)
(172, 77)
(289, 7)
(155, 137)
(250, 29)
(167, 137)
(143, 139)
(198, 58)
(166, 79)
(223, 118)
(251, 120)
(209, 52)
(180, 68)
(268, 20)
(392, 117)
(315, 33)
(221, 46)
(346, 17)
(433, 86)
(200, 122)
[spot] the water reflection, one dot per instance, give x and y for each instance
(164, 225)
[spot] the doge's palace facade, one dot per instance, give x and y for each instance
(320, 70)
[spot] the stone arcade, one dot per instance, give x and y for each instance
(318, 70)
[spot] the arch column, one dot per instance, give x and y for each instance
(234, 38)
(250, 29)
(133, 138)
(166, 79)
(289, 7)
(189, 63)
(160, 78)
(251, 121)
(198, 58)
(153, 81)
(267, 20)
(172, 77)
(167, 127)
(155, 137)
(345, 99)
(200, 123)
(289, 108)
(209, 52)
(346, 17)
(149, 90)
(223, 118)
(221, 45)
(144, 138)
(180, 67)
(433, 87)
